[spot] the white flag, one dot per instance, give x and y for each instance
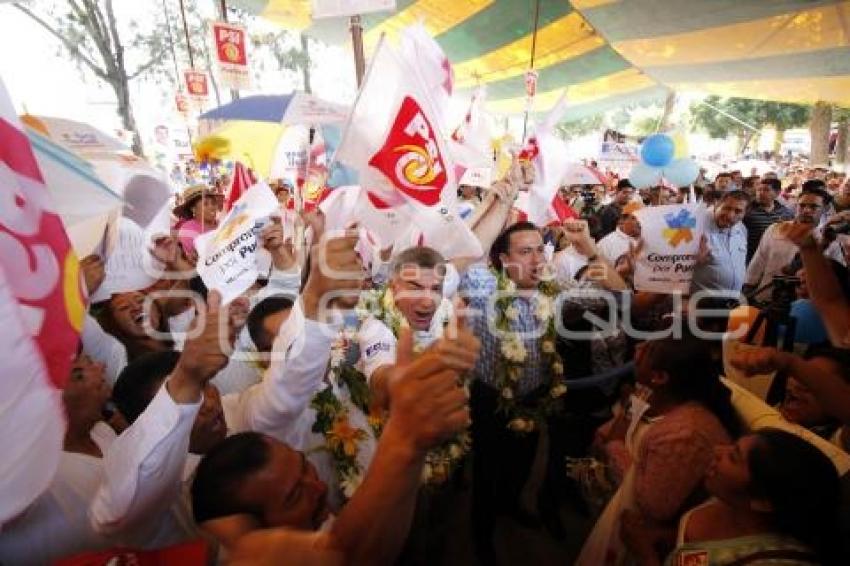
(393, 139)
(550, 158)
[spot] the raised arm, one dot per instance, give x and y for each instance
(143, 467)
(824, 288)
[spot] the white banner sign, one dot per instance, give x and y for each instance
(671, 235)
(129, 266)
(228, 256)
(307, 109)
(338, 8)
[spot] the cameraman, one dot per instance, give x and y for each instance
(775, 251)
(609, 216)
(823, 285)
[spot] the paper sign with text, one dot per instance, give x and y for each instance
(228, 256)
(671, 235)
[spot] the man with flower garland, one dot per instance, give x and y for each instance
(518, 380)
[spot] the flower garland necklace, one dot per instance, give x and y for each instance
(511, 360)
(441, 461)
(342, 440)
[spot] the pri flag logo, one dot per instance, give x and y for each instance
(679, 227)
(410, 158)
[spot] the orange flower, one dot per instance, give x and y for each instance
(343, 435)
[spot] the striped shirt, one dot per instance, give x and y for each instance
(757, 220)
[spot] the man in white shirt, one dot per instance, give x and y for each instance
(134, 476)
(624, 237)
(264, 502)
(775, 251)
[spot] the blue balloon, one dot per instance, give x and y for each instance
(810, 328)
(681, 172)
(657, 150)
(643, 176)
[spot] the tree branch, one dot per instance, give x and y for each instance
(146, 67)
(116, 39)
(88, 19)
(74, 49)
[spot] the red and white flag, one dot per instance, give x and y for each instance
(471, 141)
(432, 66)
(42, 306)
(243, 179)
(393, 138)
(549, 155)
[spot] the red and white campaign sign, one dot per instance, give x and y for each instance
(197, 86)
(42, 306)
(410, 157)
(231, 53)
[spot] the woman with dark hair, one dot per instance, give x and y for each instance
(775, 501)
(660, 448)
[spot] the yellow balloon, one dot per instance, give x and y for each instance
(680, 143)
(74, 304)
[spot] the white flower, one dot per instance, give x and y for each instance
(558, 368)
(548, 347)
(426, 473)
(512, 313)
(362, 312)
(558, 390)
(543, 310)
(337, 356)
(350, 483)
(513, 350)
(507, 393)
(514, 373)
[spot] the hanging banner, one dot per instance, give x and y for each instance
(197, 87)
(227, 256)
(671, 235)
(181, 103)
(231, 53)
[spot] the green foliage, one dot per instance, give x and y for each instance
(580, 127)
(757, 113)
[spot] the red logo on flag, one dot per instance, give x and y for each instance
(410, 158)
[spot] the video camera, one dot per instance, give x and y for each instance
(831, 231)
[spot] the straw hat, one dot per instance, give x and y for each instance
(189, 197)
(631, 207)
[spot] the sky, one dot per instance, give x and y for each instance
(43, 80)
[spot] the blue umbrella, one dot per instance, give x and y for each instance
(257, 108)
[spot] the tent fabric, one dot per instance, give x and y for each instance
(610, 52)
(489, 41)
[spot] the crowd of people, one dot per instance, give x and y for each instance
(336, 411)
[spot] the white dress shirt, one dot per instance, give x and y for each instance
(772, 255)
(97, 503)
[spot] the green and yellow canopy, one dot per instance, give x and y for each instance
(610, 52)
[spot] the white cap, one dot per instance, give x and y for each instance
(477, 177)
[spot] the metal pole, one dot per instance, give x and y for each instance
(174, 58)
(234, 93)
(186, 33)
(356, 27)
(533, 50)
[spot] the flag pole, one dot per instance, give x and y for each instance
(356, 27)
(531, 65)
